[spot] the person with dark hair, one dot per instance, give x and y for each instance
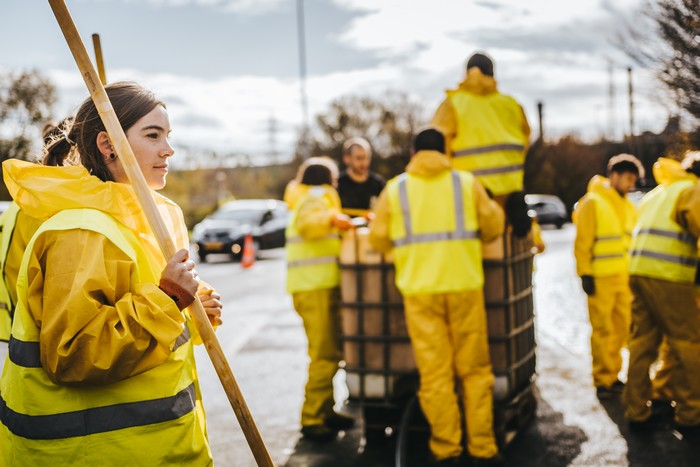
(486, 132)
(434, 219)
(102, 346)
(358, 186)
(313, 246)
(604, 219)
(663, 265)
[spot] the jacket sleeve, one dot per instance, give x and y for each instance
(379, 228)
(96, 325)
(445, 120)
(314, 218)
(687, 210)
(489, 214)
(585, 236)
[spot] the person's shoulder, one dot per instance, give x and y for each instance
(377, 178)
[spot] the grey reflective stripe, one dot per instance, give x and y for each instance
(498, 170)
(99, 419)
(436, 237)
(491, 148)
(610, 256)
(182, 338)
(301, 239)
(312, 261)
(460, 232)
(683, 260)
(606, 238)
(23, 353)
(682, 236)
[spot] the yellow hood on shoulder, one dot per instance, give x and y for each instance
(668, 171)
(428, 164)
(478, 83)
(42, 191)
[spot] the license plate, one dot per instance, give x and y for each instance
(214, 245)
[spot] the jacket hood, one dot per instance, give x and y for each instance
(668, 171)
(42, 191)
(428, 164)
(599, 184)
(478, 83)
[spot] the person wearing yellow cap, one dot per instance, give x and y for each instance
(604, 220)
(663, 262)
(434, 219)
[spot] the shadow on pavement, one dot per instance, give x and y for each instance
(546, 441)
(661, 445)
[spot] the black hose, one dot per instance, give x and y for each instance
(402, 438)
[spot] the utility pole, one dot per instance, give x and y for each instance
(302, 76)
(540, 114)
(629, 90)
(611, 101)
(272, 138)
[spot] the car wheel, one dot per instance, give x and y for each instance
(559, 224)
(202, 257)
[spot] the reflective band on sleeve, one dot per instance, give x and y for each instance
(498, 170)
(98, 419)
(611, 256)
(682, 236)
(312, 261)
(685, 261)
(606, 238)
(460, 232)
(491, 148)
(182, 338)
(23, 353)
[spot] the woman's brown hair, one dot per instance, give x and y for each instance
(130, 102)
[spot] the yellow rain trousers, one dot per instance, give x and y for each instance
(318, 311)
(435, 322)
(604, 222)
(663, 305)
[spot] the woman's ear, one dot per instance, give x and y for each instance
(104, 145)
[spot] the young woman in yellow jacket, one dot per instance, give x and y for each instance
(101, 367)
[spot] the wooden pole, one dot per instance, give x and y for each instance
(131, 167)
(98, 58)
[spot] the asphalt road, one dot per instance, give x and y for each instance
(265, 344)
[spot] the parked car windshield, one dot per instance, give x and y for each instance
(241, 215)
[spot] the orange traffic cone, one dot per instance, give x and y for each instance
(248, 256)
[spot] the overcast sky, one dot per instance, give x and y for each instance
(225, 68)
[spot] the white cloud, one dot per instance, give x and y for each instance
(252, 7)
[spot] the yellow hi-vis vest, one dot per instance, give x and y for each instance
(662, 249)
(312, 264)
(154, 418)
(490, 142)
(435, 233)
(612, 239)
(7, 225)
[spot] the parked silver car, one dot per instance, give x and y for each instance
(549, 209)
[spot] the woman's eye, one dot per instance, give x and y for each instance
(152, 135)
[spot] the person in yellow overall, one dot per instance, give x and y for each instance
(101, 368)
(312, 248)
(604, 221)
(486, 132)
(663, 262)
(434, 219)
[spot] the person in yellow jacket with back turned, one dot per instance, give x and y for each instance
(312, 247)
(486, 132)
(604, 221)
(663, 261)
(435, 218)
(101, 367)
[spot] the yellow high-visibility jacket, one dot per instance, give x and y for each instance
(312, 244)
(604, 223)
(486, 131)
(7, 224)
(99, 355)
(435, 218)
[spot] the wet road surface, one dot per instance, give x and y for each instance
(265, 344)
